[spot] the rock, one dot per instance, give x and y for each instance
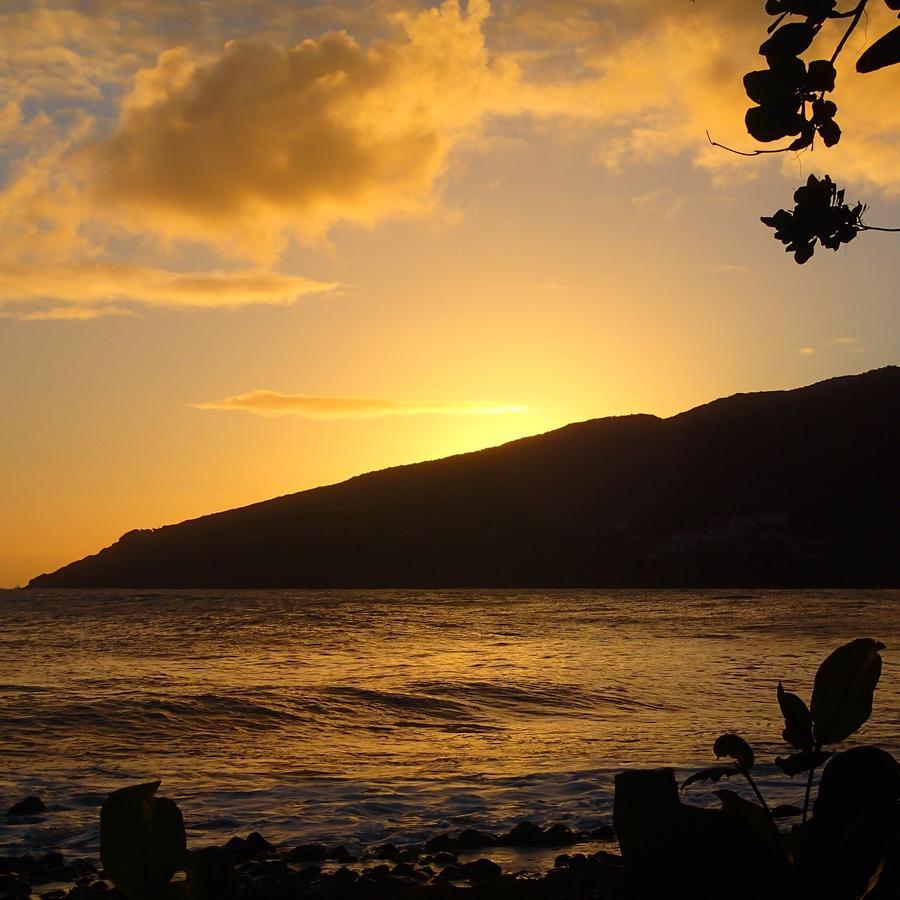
(341, 854)
(13, 887)
(525, 834)
(480, 869)
(28, 807)
(561, 861)
(308, 853)
(559, 836)
(256, 844)
(451, 873)
(472, 839)
(402, 870)
(603, 833)
(439, 842)
(445, 857)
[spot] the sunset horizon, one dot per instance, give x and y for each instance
(450, 449)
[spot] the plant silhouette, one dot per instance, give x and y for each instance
(838, 852)
(792, 100)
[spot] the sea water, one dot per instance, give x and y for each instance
(369, 716)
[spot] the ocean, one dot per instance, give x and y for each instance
(368, 716)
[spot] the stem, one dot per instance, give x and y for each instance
(876, 228)
(762, 800)
(746, 152)
(857, 15)
(809, 782)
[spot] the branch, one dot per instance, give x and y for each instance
(857, 15)
(876, 228)
(745, 152)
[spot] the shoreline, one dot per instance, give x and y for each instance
(528, 861)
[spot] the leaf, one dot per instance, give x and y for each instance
(843, 689)
(786, 811)
(789, 40)
(830, 132)
(797, 720)
(734, 747)
(801, 762)
(772, 123)
(751, 815)
(820, 76)
(713, 773)
(142, 840)
(884, 52)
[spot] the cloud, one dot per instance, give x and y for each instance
(273, 403)
(154, 125)
(850, 344)
(88, 290)
(267, 141)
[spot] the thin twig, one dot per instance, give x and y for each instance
(745, 152)
(876, 228)
(857, 15)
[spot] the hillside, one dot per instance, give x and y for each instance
(785, 488)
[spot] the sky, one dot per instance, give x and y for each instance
(248, 248)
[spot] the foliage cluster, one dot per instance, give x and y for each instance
(792, 100)
(838, 851)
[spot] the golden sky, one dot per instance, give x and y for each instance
(249, 247)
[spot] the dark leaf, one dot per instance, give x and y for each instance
(734, 747)
(797, 720)
(823, 111)
(790, 40)
(752, 816)
(768, 124)
(801, 762)
(820, 76)
(843, 689)
(713, 773)
(830, 132)
(853, 823)
(860, 779)
(884, 52)
(786, 811)
(142, 840)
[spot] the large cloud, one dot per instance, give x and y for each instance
(274, 403)
(266, 139)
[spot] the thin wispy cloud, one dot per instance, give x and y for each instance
(85, 291)
(850, 344)
(274, 403)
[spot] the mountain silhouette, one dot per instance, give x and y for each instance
(780, 489)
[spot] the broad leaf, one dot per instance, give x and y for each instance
(751, 815)
(797, 720)
(142, 840)
(772, 123)
(734, 747)
(789, 41)
(843, 689)
(801, 762)
(713, 773)
(786, 811)
(884, 52)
